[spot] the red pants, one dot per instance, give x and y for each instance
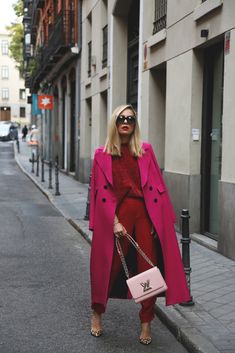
(133, 215)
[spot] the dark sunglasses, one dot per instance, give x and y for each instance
(122, 119)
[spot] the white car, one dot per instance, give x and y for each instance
(8, 131)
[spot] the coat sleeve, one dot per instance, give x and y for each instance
(92, 194)
(162, 181)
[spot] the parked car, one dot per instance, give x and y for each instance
(8, 131)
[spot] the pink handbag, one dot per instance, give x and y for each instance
(145, 284)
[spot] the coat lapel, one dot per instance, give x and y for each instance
(144, 166)
(105, 162)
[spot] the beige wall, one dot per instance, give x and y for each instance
(228, 147)
(178, 114)
(14, 84)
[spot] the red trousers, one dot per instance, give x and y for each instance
(133, 215)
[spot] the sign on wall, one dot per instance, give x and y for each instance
(45, 101)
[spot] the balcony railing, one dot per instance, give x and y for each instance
(61, 37)
(160, 15)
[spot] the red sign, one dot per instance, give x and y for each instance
(45, 101)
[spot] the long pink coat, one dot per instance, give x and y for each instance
(102, 210)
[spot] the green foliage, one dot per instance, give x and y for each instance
(16, 32)
(19, 8)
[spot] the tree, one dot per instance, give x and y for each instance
(16, 32)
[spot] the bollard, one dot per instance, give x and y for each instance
(185, 241)
(87, 215)
(50, 175)
(42, 170)
(18, 145)
(37, 166)
(57, 192)
(32, 161)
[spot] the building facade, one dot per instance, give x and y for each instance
(175, 64)
(13, 95)
(52, 61)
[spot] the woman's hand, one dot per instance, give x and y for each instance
(119, 230)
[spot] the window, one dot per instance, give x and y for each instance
(22, 112)
(22, 94)
(105, 46)
(5, 93)
(160, 15)
(4, 47)
(89, 59)
(5, 72)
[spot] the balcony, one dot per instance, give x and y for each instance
(61, 37)
(35, 10)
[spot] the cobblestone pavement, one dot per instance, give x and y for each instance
(209, 325)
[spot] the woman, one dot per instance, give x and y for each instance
(128, 194)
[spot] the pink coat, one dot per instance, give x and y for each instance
(102, 210)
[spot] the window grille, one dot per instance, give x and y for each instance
(5, 93)
(22, 112)
(5, 46)
(89, 59)
(5, 72)
(105, 46)
(22, 94)
(160, 15)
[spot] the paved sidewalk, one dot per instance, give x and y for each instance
(208, 326)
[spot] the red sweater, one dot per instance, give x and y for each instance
(126, 175)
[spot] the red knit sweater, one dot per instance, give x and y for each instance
(126, 175)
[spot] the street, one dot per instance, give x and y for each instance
(44, 280)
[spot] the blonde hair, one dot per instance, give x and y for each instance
(113, 141)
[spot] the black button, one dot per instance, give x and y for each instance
(150, 188)
(103, 200)
(105, 186)
(155, 200)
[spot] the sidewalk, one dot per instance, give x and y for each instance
(206, 327)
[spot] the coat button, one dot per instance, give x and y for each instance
(155, 200)
(105, 186)
(150, 188)
(103, 200)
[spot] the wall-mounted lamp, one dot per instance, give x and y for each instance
(204, 33)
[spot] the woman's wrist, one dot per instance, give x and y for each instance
(116, 220)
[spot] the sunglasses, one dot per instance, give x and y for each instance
(122, 119)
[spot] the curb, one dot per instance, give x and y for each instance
(187, 335)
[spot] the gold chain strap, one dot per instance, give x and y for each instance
(136, 245)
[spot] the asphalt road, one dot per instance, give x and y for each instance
(44, 280)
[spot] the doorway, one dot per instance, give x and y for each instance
(5, 114)
(72, 120)
(212, 138)
(64, 124)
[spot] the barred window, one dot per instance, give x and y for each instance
(5, 46)
(89, 59)
(160, 15)
(5, 72)
(22, 112)
(5, 93)
(22, 94)
(105, 46)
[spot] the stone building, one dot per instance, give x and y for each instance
(176, 64)
(52, 62)
(13, 95)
